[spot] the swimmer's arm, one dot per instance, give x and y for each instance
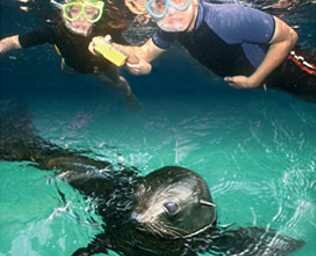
(147, 52)
(139, 57)
(282, 42)
(33, 38)
(9, 43)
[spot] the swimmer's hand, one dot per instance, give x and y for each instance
(9, 43)
(137, 66)
(242, 82)
(98, 40)
(4, 46)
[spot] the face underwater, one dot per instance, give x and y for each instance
(172, 15)
(80, 15)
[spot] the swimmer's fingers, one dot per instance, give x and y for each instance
(141, 68)
(107, 39)
(240, 82)
(98, 40)
(231, 81)
(134, 69)
(91, 47)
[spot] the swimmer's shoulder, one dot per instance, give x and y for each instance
(233, 22)
(222, 14)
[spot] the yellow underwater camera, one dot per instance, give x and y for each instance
(110, 53)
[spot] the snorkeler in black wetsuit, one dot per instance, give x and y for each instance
(81, 21)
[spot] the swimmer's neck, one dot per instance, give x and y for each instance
(195, 6)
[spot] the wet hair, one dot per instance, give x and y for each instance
(116, 16)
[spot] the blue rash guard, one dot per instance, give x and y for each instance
(229, 39)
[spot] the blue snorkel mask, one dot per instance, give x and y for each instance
(158, 9)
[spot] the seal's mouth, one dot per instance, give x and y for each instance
(161, 231)
(179, 209)
(165, 231)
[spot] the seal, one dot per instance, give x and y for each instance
(174, 202)
(169, 212)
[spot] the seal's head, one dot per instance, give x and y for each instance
(174, 202)
(172, 206)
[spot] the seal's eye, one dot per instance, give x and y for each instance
(171, 207)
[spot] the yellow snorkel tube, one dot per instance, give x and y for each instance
(105, 49)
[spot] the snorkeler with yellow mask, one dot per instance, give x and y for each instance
(80, 21)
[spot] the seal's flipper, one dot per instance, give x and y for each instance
(19, 140)
(100, 244)
(254, 241)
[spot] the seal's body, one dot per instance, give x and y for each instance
(169, 212)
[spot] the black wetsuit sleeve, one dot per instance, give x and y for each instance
(37, 37)
(163, 39)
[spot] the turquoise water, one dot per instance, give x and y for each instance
(255, 149)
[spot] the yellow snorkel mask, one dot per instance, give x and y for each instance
(91, 10)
